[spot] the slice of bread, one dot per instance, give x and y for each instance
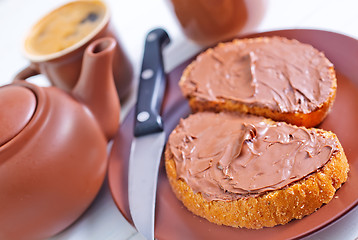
(275, 77)
(195, 161)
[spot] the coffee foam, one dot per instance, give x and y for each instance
(76, 23)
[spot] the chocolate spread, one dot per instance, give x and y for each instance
(277, 73)
(226, 156)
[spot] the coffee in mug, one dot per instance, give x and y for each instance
(56, 43)
(65, 27)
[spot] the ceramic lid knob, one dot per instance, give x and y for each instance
(17, 106)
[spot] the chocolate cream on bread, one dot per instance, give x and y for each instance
(226, 157)
(273, 73)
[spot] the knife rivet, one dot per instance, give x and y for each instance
(147, 74)
(143, 116)
(151, 37)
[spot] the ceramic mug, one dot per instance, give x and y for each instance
(56, 43)
(208, 21)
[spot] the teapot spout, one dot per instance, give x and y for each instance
(95, 87)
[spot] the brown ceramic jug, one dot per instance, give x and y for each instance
(53, 147)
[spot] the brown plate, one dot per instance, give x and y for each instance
(174, 221)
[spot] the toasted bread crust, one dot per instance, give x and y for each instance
(276, 207)
(297, 118)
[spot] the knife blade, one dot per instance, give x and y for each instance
(148, 143)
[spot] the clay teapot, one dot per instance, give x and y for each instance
(53, 147)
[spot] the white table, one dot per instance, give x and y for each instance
(133, 19)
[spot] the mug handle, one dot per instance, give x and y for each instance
(26, 73)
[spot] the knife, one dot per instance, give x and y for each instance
(148, 143)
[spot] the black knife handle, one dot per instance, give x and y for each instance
(151, 85)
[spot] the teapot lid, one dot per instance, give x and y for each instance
(17, 106)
